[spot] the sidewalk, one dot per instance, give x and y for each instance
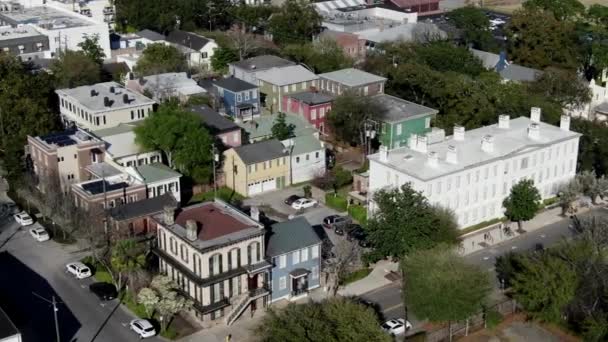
(373, 281)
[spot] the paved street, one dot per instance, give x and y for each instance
(39, 267)
(388, 298)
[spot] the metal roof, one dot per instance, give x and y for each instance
(261, 151)
(288, 236)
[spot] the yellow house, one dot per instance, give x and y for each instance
(257, 168)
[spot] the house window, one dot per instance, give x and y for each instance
(316, 155)
(247, 95)
(285, 89)
(253, 253)
(314, 253)
(173, 245)
(132, 115)
(239, 98)
(304, 254)
(399, 129)
(427, 123)
(215, 264)
(315, 272)
(322, 112)
(282, 283)
(297, 160)
(293, 87)
(283, 261)
(295, 257)
(204, 55)
(254, 94)
(183, 253)
(313, 114)
(307, 157)
(524, 163)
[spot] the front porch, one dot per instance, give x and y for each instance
(246, 111)
(298, 284)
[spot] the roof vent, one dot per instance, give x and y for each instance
(433, 159)
(451, 156)
(487, 143)
(534, 131)
(503, 121)
(459, 133)
(125, 98)
(535, 114)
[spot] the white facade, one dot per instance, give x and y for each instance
(473, 175)
(599, 101)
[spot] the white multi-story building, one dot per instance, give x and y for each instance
(473, 172)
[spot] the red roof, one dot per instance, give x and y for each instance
(213, 220)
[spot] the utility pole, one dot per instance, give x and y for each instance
(54, 303)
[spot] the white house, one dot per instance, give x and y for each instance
(159, 179)
(597, 108)
(197, 49)
(307, 157)
(473, 172)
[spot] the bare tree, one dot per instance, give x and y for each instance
(346, 257)
(244, 43)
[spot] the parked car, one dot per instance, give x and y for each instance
(104, 291)
(289, 200)
(357, 233)
(341, 229)
(23, 218)
(142, 327)
(396, 326)
(304, 203)
(39, 234)
(79, 270)
(331, 221)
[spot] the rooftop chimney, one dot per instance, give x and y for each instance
(383, 153)
(564, 123)
(169, 215)
(451, 156)
(503, 121)
(106, 101)
(125, 98)
(535, 114)
(422, 144)
(487, 143)
(191, 230)
(433, 159)
(255, 213)
(534, 131)
(459, 133)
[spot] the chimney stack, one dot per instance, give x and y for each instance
(125, 98)
(383, 154)
(564, 123)
(422, 144)
(451, 156)
(459, 133)
(169, 215)
(534, 131)
(191, 230)
(503, 121)
(487, 143)
(535, 114)
(433, 159)
(255, 213)
(112, 89)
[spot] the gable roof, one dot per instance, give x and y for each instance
(262, 63)
(288, 236)
(145, 207)
(287, 75)
(261, 151)
(150, 35)
(352, 77)
(187, 39)
(233, 84)
(212, 119)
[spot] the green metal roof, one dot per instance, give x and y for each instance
(260, 128)
(305, 144)
(156, 172)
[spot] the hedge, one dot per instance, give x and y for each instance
(336, 201)
(359, 213)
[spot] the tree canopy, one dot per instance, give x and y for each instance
(523, 202)
(295, 23)
(441, 286)
(74, 69)
(322, 56)
(404, 222)
(281, 129)
(181, 136)
(90, 47)
(561, 9)
(332, 320)
(475, 26)
(564, 86)
(221, 57)
(348, 113)
(160, 58)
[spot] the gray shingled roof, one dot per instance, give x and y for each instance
(212, 119)
(262, 63)
(187, 39)
(146, 207)
(151, 35)
(234, 84)
(352, 77)
(261, 151)
(289, 236)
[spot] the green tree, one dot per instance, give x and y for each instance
(475, 25)
(404, 222)
(523, 202)
(295, 23)
(593, 145)
(537, 39)
(281, 129)
(162, 298)
(160, 58)
(441, 286)
(332, 320)
(127, 257)
(598, 14)
(567, 194)
(181, 136)
(252, 17)
(322, 56)
(74, 69)
(564, 86)
(561, 9)
(348, 114)
(221, 57)
(90, 47)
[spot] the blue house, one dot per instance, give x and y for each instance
(295, 251)
(240, 99)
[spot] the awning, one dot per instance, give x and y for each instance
(299, 273)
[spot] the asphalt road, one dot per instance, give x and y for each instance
(388, 298)
(28, 267)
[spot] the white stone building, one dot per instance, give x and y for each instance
(472, 172)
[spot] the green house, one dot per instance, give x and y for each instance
(400, 118)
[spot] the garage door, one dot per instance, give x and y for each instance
(269, 185)
(254, 188)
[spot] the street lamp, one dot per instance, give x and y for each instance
(216, 158)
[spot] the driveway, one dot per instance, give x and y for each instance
(38, 269)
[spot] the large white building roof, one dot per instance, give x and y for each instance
(93, 97)
(468, 152)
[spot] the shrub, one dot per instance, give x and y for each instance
(307, 191)
(493, 318)
(359, 213)
(336, 201)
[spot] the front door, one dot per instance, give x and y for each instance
(252, 282)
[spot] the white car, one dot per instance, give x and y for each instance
(23, 219)
(142, 327)
(79, 270)
(39, 234)
(396, 326)
(304, 203)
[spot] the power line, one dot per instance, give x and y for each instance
(54, 303)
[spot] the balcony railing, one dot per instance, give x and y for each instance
(259, 292)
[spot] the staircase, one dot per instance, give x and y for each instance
(243, 302)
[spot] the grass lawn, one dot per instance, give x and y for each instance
(356, 275)
(223, 193)
(336, 201)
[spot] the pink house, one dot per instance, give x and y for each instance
(311, 105)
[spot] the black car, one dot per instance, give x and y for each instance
(104, 291)
(333, 221)
(289, 200)
(356, 232)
